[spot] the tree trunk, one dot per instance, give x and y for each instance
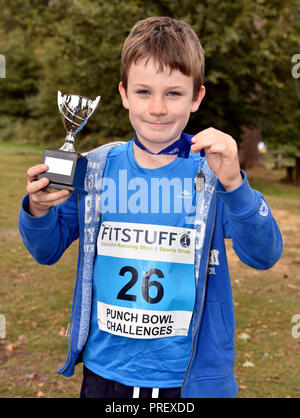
(248, 154)
(297, 179)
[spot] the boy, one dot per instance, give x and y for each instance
(152, 313)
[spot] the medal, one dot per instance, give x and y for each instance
(199, 181)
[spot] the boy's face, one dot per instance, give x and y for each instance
(159, 103)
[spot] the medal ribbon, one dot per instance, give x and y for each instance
(181, 147)
(83, 123)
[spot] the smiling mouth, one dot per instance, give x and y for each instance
(159, 123)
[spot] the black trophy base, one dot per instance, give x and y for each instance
(66, 169)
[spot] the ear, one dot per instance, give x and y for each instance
(123, 94)
(196, 102)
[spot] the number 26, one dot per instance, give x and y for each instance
(146, 285)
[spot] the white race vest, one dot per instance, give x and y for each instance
(145, 279)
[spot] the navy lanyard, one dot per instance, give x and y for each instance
(181, 147)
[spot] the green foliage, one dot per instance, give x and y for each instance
(75, 46)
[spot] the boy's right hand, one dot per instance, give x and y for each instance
(41, 200)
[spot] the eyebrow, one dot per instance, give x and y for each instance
(145, 86)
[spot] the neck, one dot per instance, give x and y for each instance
(146, 160)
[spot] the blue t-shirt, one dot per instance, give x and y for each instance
(144, 283)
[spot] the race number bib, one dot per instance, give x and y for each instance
(145, 279)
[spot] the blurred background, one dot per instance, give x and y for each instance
(75, 46)
(252, 80)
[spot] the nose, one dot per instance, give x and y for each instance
(157, 106)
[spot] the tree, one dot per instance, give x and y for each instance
(248, 47)
(22, 71)
(75, 46)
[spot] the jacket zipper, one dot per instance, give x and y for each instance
(70, 325)
(202, 302)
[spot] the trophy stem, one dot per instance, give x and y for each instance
(69, 143)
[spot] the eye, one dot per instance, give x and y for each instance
(143, 92)
(174, 93)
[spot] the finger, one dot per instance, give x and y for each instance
(200, 141)
(203, 144)
(36, 186)
(51, 198)
(62, 200)
(205, 133)
(217, 149)
(32, 172)
(211, 134)
(210, 138)
(46, 200)
(214, 148)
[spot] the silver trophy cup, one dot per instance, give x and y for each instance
(67, 168)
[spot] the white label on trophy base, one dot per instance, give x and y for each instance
(59, 166)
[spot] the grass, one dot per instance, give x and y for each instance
(36, 300)
(267, 362)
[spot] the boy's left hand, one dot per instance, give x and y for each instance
(221, 152)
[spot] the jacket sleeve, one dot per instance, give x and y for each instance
(48, 236)
(248, 221)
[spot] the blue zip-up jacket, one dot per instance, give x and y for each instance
(242, 215)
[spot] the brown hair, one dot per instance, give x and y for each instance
(171, 43)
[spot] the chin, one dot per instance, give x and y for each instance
(158, 136)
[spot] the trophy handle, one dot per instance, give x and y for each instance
(94, 105)
(59, 100)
